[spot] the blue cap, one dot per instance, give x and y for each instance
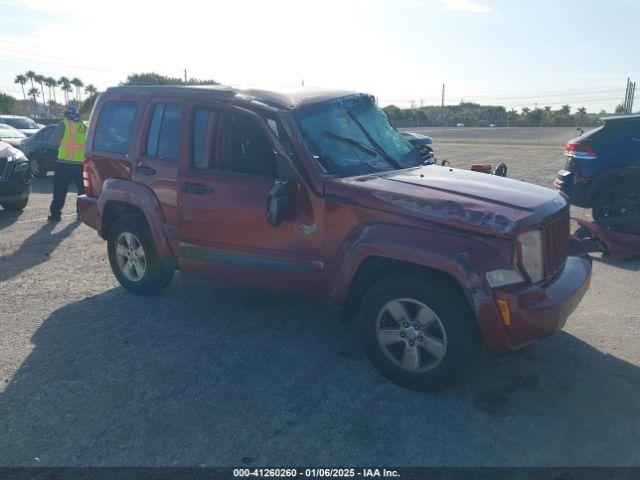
(72, 113)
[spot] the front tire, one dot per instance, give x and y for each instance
(422, 336)
(16, 205)
(134, 259)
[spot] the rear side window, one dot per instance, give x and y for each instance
(45, 134)
(163, 140)
(113, 132)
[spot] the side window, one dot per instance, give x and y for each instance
(163, 139)
(248, 149)
(56, 135)
(203, 141)
(282, 167)
(45, 134)
(113, 132)
(273, 125)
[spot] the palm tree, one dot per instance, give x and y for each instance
(21, 79)
(525, 111)
(51, 83)
(65, 86)
(566, 109)
(30, 75)
(76, 82)
(90, 89)
(34, 93)
(548, 114)
(40, 79)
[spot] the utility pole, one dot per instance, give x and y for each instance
(185, 75)
(627, 106)
(444, 123)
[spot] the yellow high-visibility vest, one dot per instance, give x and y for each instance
(72, 144)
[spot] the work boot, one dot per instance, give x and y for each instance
(54, 217)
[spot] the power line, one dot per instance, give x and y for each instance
(2, 55)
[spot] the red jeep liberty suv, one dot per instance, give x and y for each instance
(314, 191)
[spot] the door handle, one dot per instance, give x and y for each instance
(197, 188)
(144, 170)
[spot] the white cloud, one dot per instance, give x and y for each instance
(466, 5)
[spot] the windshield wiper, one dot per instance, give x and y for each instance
(365, 148)
(350, 141)
(378, 148)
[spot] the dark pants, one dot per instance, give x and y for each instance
(66, 173)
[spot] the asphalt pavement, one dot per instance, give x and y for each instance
(203, 374)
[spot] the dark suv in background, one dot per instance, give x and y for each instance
(42, 149)
(602, 171)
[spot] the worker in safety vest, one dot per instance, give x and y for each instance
(70, 156)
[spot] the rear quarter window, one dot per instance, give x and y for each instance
(113, 132)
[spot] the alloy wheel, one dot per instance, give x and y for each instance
(130, 256)
(411, 335)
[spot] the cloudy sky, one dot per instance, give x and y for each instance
(514, 53)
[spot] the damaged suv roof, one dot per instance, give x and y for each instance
(284, 98)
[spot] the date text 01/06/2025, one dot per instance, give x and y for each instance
(315, 472)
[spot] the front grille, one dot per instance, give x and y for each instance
(556, 244)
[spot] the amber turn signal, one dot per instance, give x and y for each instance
(504, 312)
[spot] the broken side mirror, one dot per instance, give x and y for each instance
(278, 203)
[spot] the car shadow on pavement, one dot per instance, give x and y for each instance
(632, 264)
(36, 249)
(8, 217)
(208, 375)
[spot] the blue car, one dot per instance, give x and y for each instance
(602, 171)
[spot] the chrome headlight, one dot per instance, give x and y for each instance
(531, 253)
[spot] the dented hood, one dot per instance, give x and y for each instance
(460, 198)
(8, 150)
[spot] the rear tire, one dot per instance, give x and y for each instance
(616, 202)
(134, 259)
(16, 205)
(404, 314)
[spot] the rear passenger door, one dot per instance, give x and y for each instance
(157, 162)
(223, 189)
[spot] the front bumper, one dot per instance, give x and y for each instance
(14, 185)
(13, 191)
(536, 311)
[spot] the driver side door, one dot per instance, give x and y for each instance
(224, 184)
